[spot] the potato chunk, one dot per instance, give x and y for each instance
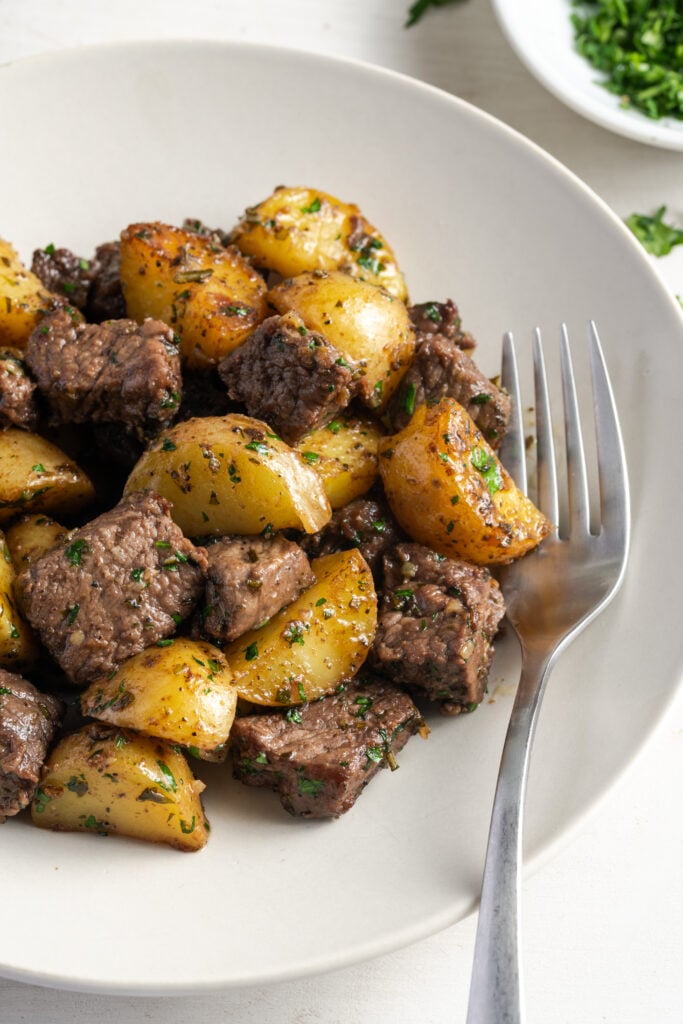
(31, 537)
(180, 690)
(208, 294)
(23, 298)
(315, 643)
(112, 781)
(448, 490)
(36, 476)
(231, 474)
(370, 328)
(344, 453)
(300, 229)
(18, 646)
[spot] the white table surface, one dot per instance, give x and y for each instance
(603, 937)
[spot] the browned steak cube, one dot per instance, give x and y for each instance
(115, 372)
(440, 318)
(441, 369)
(17, 392)
(64, 273)
(248, 580)
(436, 623)
(365, 523)
(292, 378)
(105, 298)
(118, 585)
(28, 720)
(319, 757)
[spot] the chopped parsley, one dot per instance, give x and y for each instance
(74, 553)
(420, 7)
(657, 237)
(488, 467)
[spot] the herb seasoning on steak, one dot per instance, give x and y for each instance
(64, 273)
(365, 523)
(293, 378)
(17, 392)
(248, 580)
(436, 623)
(28, 720)
(121, 583)
(115, 372)
(429, 318)
(320, 756)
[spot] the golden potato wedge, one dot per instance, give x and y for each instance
(344, 453)
(208, 294)
(23, 298)
(112, 781)
(370, 328)
(36, 476)
(231, 474)
(18, 645)
(31, 537)
(300, 229)
(314, 644)
(448, 490)
(180, 690)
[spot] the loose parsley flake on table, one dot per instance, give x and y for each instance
(656, 236)
(419, 8)
(638, 45)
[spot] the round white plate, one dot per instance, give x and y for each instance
(541, 33)
(97, 138)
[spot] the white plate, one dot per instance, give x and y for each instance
(95, 139)
(541, 33)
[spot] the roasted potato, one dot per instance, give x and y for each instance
(314, 644)
(18, 646)
(23, 298)
(448, 490)
(112, 781)
(31, 537)
(371, 329)
(231, 474)
(36, 476)
(208, 294)
(344, 453)
(299, 229)
(180, 690)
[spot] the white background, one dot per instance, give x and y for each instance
(603, 938)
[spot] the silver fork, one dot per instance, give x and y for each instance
(551, 595)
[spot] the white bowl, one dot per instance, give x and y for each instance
(97, 138)
(541, 33)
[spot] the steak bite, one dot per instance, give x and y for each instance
(442, 318)
(17, 392)
(28, 720)
(64, 273)
(105, 297)
(248, 580)
(365, 523)
(441, 369)
(319, 757)
(436, 623)
(115, 372)
(291, 377)
(116, 586)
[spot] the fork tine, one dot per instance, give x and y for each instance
(512, 449)
(612, 472)
(577, 481)
(545, 449)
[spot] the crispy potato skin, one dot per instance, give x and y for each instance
(18, 645)
(231, 474)
(31, 537)
(211, 297)
(442, 499)
(371, 329)
(36, 476)
(23, 298)
(300, 229)
(314, 644)
(112, 781)
(344, 453)
(181, 691)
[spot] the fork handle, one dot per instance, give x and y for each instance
(496, 991)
